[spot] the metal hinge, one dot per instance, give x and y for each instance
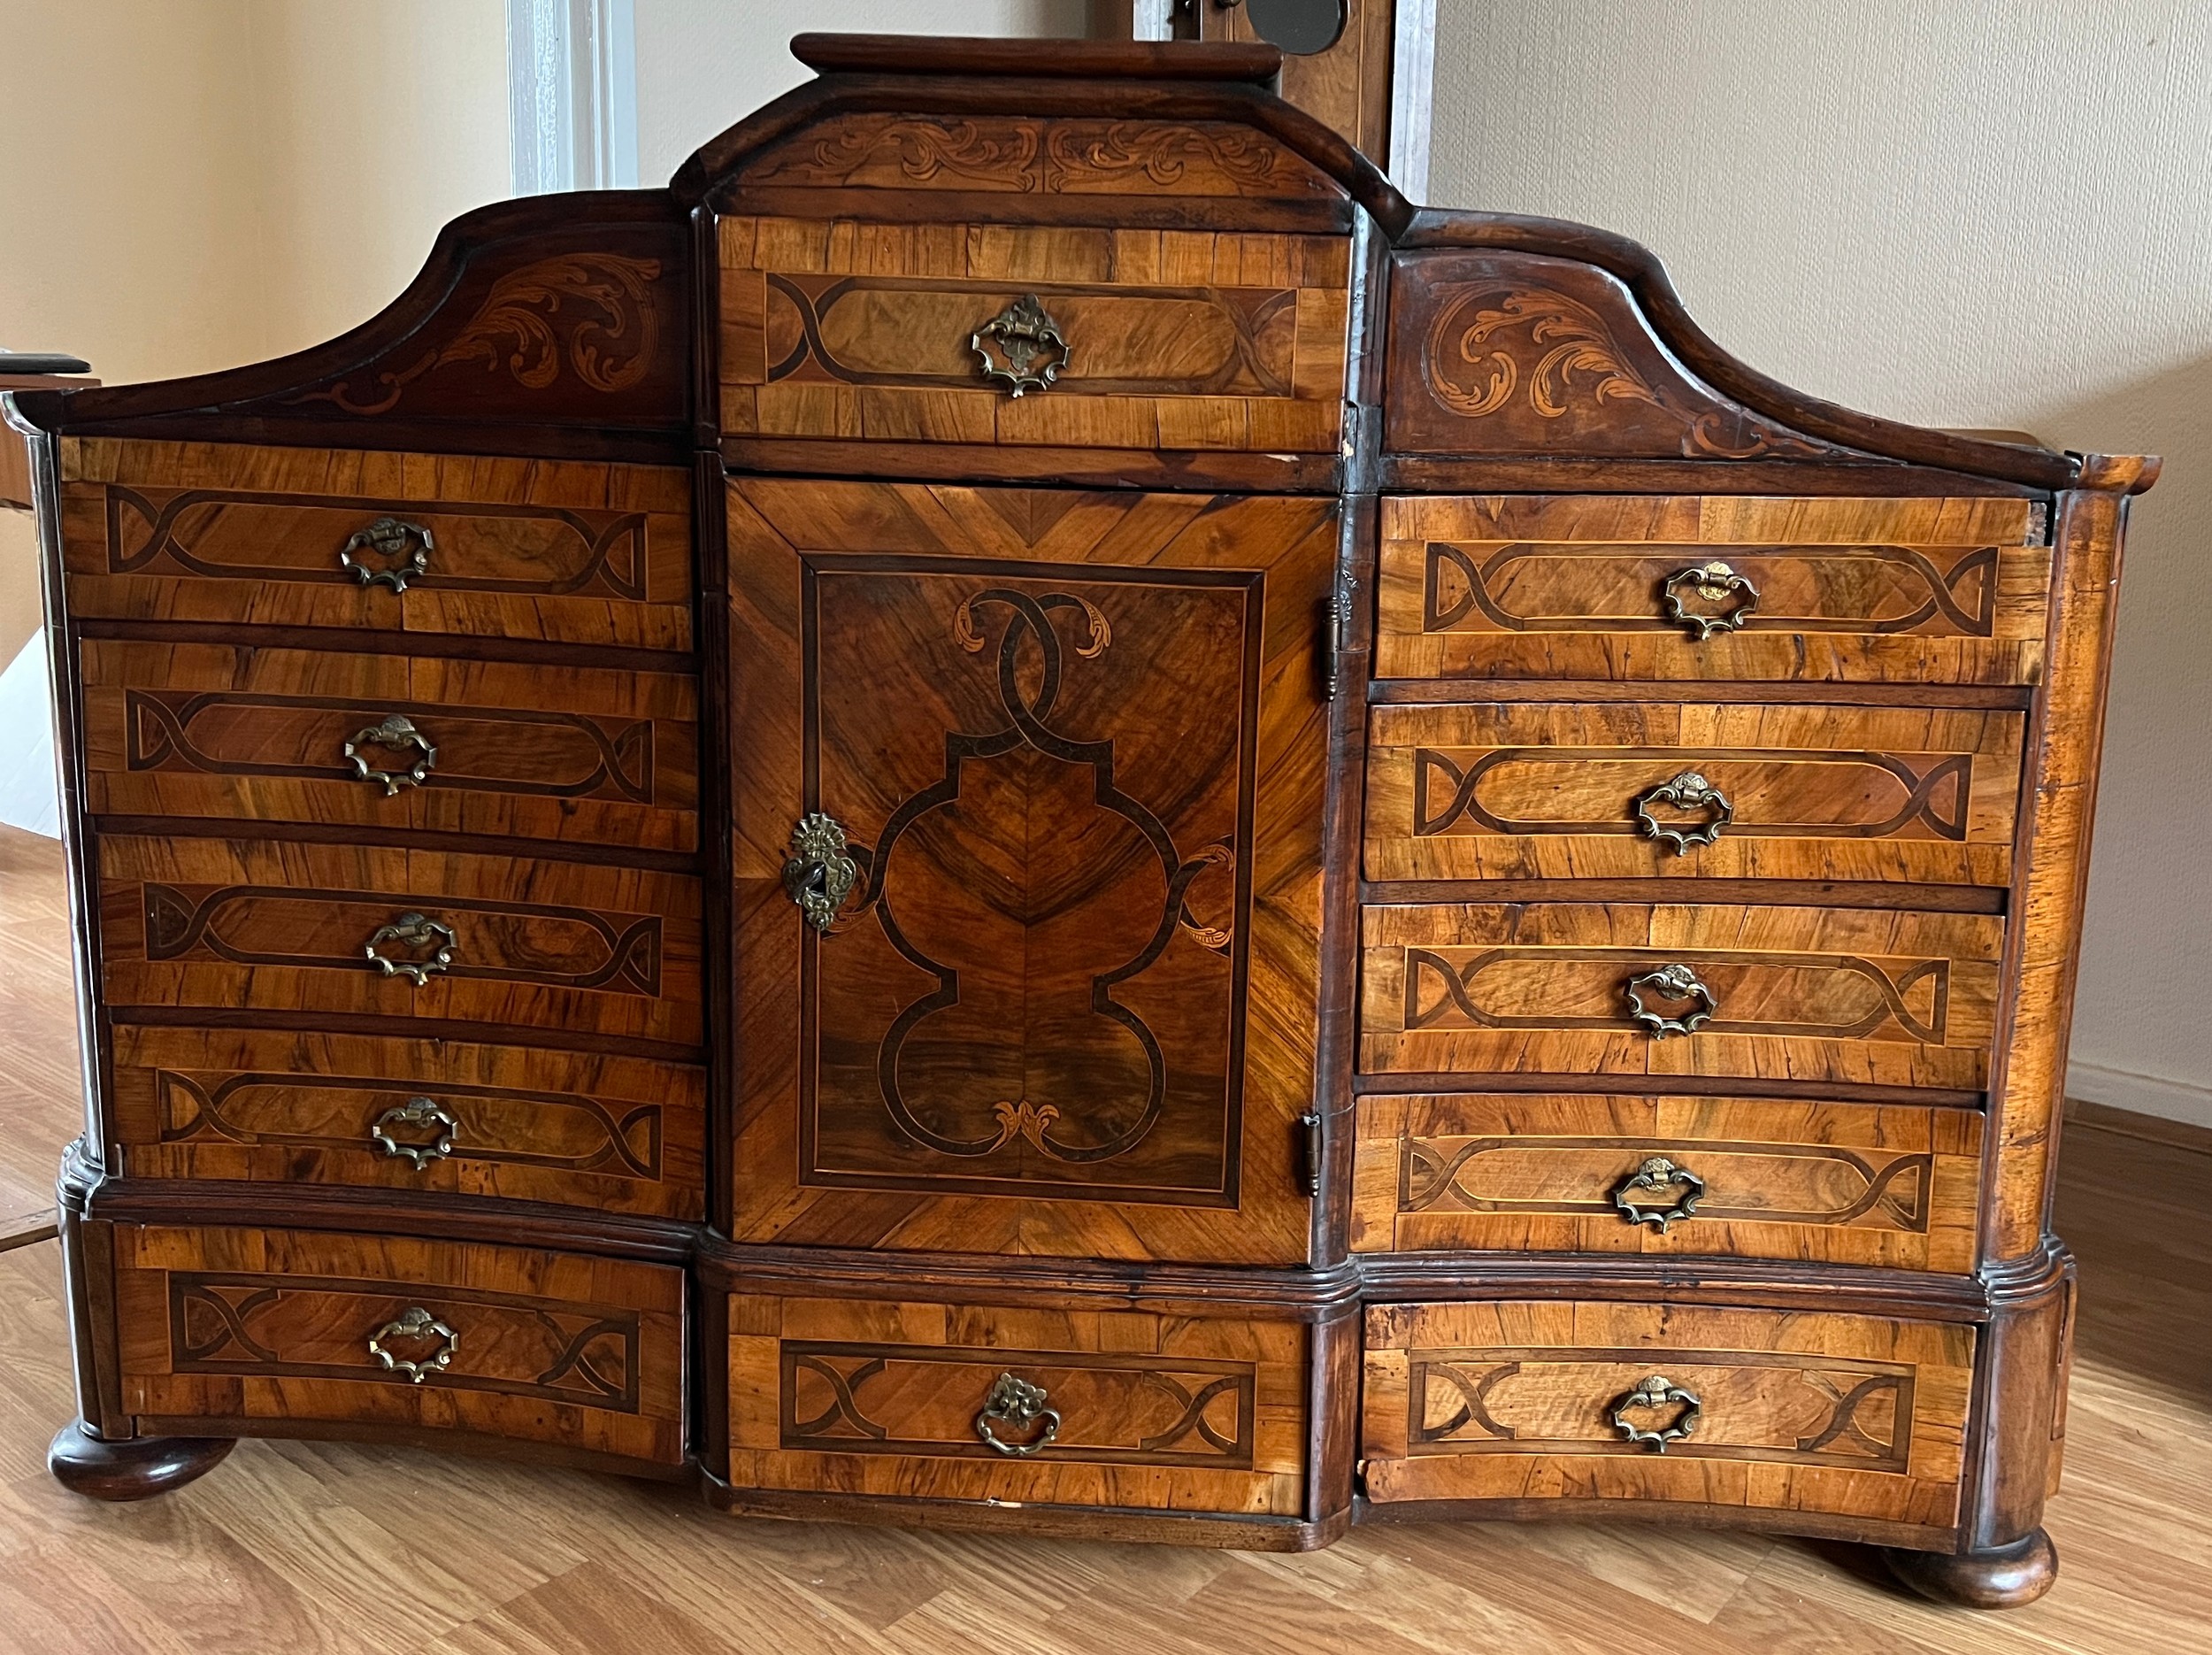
(1309, 1171)
(1331, 630)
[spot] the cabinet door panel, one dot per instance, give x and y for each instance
(1076, 744)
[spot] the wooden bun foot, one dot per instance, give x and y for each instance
(2003, 1577)
(134, 1469)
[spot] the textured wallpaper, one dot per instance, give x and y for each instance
(1959, 213)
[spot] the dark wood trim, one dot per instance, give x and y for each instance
(200, 1203)
(430, 645)
(384, 1435)
(1788, 1284)
(1783, 893)
(1673, 1513)
(506, 439)
(1667, 1086)
(400, 838)
(1453, 692)
(1281, 1294)
(406, 1027)
(972, 56)
(1328, 215)
(1200, 471)
(1032, 1521)
(1475, 473)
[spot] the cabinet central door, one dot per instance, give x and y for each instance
(1027, 804)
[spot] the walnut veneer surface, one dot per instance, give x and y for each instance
(1026, 811)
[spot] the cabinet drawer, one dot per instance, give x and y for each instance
(1890, 1185)
(1873, 996)
(545, 753)
(1552, 790)
(223, 533)
(1148, 1410)
(613, 1133)
(244, 925)
(1546, 586)
(264, 1329)
(1159, 339)
(1850, 1415)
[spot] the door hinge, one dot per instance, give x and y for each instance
(1331, 628)
(1310, 1170)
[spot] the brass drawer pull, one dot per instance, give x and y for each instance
(1688, 791)
(416, 930)
(1674, 982)
(1027, 343)
(821, 872)
(416, 1112)
(405, 547)
(399, 734)
(1717, 583)
(416, 1323)
(1655, 1391)
(1657, 1175)
(1018, 1403)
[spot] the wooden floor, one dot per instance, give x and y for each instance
(303, 1549)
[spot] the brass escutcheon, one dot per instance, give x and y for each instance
(397, 734)
(415, 1323)
(1675, 983)
(1658, 1174)
(1018, 1403)
(388, 538)
(416, 930)
(1688, 791)
(1025, 337)
(821, 872)
(418, 1112)
(1656, 1390)
(1717, 583)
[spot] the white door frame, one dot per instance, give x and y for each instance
(572, 95)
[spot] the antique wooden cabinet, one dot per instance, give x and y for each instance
(1026, 811)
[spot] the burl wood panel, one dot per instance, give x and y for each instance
(1509, 354)
(1158, 1412)
(1078, 741)
(244, 925)
(1010, 155)
(544, 753)
(264, 1328)
(612, 1133)
(1889, 1186)
(1550, 791)
(1175, 339)
(569, 550)
(1828, 994)
(1848, 591)
(1852, 1415)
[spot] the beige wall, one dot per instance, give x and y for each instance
(704, 65)
(1955, 212)
(196, 184)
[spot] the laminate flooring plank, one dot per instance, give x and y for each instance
(41, 1098)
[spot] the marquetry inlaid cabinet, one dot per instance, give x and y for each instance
(1023, 810)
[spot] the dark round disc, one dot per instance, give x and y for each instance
(1301, 27)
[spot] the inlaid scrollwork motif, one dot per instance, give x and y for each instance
(591, 314)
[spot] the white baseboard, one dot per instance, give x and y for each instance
(2145, 1094)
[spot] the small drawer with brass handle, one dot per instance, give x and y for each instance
(1593, 1399)
(1876, 996)
(434, 941)
(1712, 588)
(1021, 349)
(1892, 1186)
(1131, 1405)
(250, 1325)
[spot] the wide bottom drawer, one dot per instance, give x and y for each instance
(252, 1328)
(1126, 1409)
(1856, 1416)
